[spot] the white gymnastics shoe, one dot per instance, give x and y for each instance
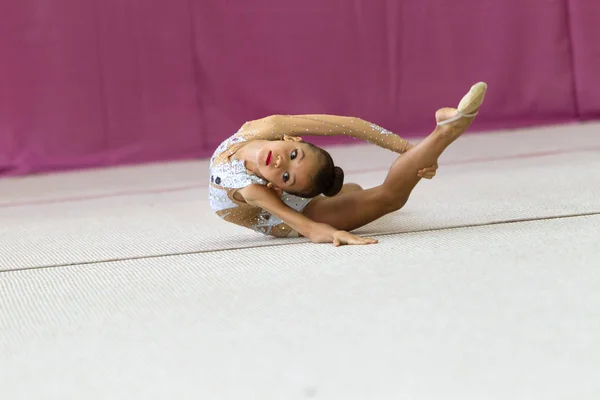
(469, 105)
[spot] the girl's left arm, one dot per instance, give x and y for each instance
(334, 125)
(275, 127)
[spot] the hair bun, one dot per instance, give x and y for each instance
(337, 183)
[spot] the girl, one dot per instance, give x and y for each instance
(266, 178)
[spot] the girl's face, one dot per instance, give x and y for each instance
(288, 164)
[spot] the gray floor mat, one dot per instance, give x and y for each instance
(496, 312)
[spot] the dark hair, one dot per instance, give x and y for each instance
(328, 180)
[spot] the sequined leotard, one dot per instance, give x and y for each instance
(228, 175)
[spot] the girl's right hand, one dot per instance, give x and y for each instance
(342, 237)
(428, 172)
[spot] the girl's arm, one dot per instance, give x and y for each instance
(268, 200)
(276, 126)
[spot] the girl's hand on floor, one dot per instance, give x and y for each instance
(342, 237)
(428, 172)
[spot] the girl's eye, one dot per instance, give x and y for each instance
(286, 176)
(294, 154)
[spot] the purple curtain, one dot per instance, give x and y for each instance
(102, 82)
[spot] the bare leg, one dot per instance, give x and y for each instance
(356, 208)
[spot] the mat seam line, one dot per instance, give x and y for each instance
(467, 226)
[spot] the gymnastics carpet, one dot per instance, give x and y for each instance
(121, 283)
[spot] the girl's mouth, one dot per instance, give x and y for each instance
(269, 158)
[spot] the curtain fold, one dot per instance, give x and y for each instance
(584, 24)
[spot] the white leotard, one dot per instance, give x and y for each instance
(231, 174)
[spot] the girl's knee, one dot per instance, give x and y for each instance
(350, 187)
(392, 201)
(353, 187)
(402, 200)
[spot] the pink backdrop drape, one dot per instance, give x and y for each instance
(92, 83)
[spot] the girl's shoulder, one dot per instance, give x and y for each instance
(228, 147)
(230, 173)
(229, 142)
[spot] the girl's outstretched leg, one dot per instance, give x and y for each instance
(356, 208)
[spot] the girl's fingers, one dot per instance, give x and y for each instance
(368, 241)
(348, 238)
(428, 172)
(357, 240)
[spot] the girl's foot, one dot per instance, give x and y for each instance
(454, 122)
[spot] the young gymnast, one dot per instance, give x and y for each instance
(266, 178)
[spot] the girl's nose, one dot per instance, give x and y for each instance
(278, 162)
